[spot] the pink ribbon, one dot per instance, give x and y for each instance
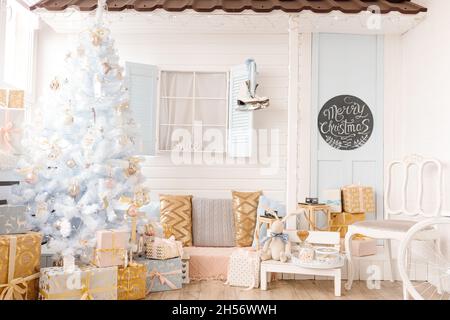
(154, 274)
(6, 131)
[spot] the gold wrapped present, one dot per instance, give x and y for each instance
(341, 221)
(12, 98)
(20, 259)
(132, 282)
(16, 99)
(358, 199)
(3, 98)
(162, 249)
(85, 283)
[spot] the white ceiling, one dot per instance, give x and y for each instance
(130, 21)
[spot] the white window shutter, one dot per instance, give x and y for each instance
(142, 86)
(240, 122)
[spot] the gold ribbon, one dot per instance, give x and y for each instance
(15, 289)
(161, 276)
(115, 252)
(85, 292)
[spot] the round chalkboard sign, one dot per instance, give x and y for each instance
(345, 122)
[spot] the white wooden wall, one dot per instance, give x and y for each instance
(202, 52)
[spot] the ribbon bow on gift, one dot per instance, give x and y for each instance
(6, 132)
(15, 289)
(282, 236)
(161, 276)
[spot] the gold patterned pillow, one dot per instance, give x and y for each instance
(176, 217)
(245, 205)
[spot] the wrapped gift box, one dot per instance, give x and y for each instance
(12, 98)
(12, 219)
(111, 248)
(85, 283)
(358, 199)
(363, 246)
(162, 249)
(243, 269)
(132, 282)
(341, 221)
(163, 275)
(333, 199)
(19, 266)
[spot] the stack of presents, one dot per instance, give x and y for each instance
(349, 205)
(114, 273)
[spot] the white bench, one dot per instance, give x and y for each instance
(315, 237)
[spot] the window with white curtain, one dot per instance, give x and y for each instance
(192, 109)
(19, 46)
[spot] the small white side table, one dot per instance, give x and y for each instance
(277, 266)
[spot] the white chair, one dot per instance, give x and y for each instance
(389, 229)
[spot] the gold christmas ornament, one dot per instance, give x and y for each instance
(105, 202)
(74, 189)
(54, 85)
(106, 67)
(133, 166)
(141, 197)
(68, 119)
(54, 153)
(97, 37)
(122, 107)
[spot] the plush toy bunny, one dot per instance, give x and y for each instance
(276, 245)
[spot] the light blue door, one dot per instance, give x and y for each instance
(348, 65)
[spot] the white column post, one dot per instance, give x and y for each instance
(292, 134)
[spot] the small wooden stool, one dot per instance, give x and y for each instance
(311, 210)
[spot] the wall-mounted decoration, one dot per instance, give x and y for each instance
(345, 122)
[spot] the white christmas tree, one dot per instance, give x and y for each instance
(79, 150)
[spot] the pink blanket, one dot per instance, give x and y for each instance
(209, 263)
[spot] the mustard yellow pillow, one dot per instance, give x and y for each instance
(176, 217)
(245, 205)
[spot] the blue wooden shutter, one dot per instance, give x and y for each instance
(240, 122)
(142, 85)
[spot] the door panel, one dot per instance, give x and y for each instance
(348, 65)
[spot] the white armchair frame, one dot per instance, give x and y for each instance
(388, 230)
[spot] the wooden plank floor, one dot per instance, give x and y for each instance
(281, 290)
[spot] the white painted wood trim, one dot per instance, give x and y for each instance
(304, 151)
(293, 85)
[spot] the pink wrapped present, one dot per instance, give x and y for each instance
(362, 246)
(111, 248)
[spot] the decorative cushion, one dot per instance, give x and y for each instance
(176, 217)
(264, 204)
(245, 205)
(212, 223)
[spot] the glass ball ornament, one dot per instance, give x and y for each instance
(71, 163)
(31, 177)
